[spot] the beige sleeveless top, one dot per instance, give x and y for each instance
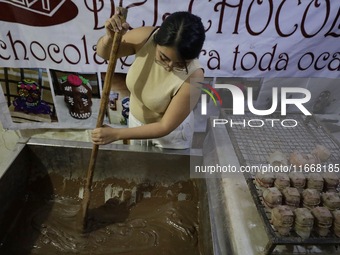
(151, 86)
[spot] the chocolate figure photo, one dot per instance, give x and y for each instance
(28, 95)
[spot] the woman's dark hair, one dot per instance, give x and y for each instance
(184, 32)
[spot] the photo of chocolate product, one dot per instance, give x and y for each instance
(29, 95)
(78, 96)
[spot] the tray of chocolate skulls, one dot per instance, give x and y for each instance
(293, 177)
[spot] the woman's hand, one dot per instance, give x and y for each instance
(113, 24)
(104, 135)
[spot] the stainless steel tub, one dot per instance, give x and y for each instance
(43, 157)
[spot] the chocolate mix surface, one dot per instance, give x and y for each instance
(125, 218)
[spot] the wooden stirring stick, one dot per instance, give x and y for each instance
(102, 109)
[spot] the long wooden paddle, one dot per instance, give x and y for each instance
(102, 109)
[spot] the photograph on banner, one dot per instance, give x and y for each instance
(266, 122)
(119, 99)
(77, 97)
(28, 95)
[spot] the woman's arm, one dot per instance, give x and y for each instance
(131, 42)
(179, 108)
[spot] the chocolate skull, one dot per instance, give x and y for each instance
(29, 92)
(126, 107)
(78, 96)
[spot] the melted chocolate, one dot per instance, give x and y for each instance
(135, 219)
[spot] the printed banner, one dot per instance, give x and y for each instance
(244, 38)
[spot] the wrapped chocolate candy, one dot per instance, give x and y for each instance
(264, 181)
(310, 198)
(272, 197)
(321, 152)
(330, 200)
(282, 181)
(278, 159)
(297, 180)
(323, 220)
(282, 219)
(299, 159)
(336, 222)
(315, 181)
(291, 197)
(303, 223)
(331, 181)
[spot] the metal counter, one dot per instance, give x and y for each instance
(245, 228)
(40, 157)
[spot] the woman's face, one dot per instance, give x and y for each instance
(167, 57)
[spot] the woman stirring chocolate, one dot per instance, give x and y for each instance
(166, 58)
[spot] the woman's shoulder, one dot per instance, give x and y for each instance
(138, 36)
(198, 73)
(142, 31)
